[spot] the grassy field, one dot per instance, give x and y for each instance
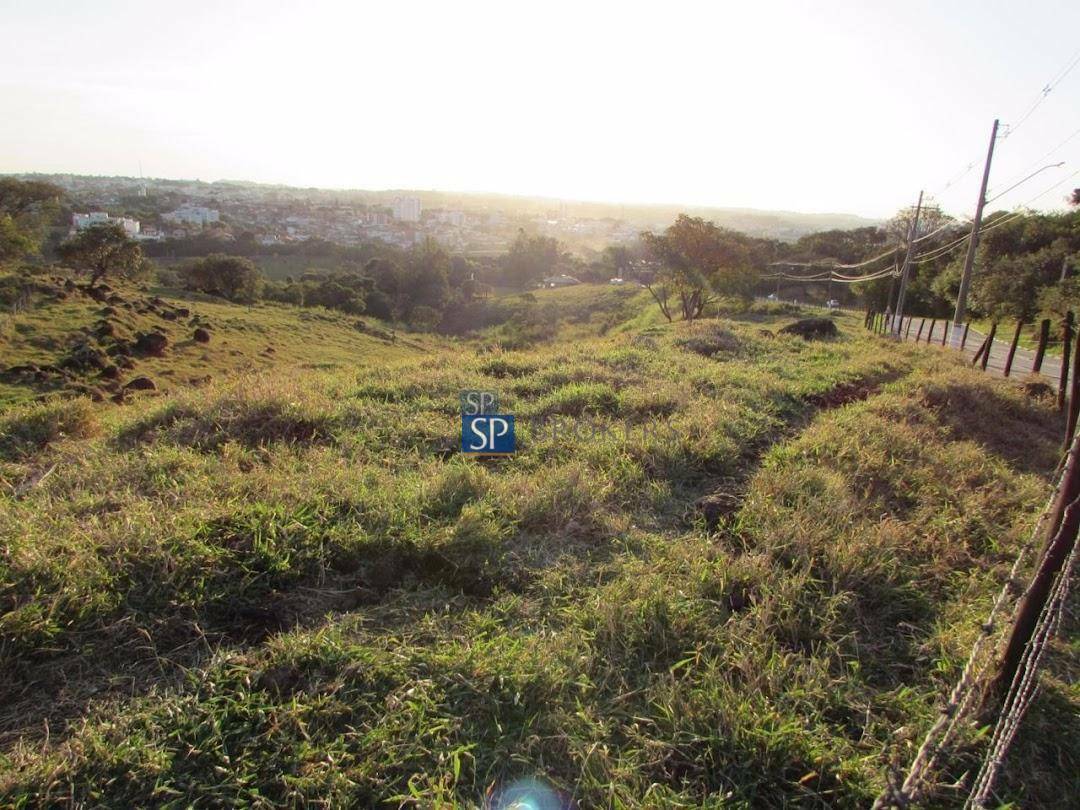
(284, 587)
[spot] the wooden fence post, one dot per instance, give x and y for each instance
(1012, 346)
(989, 345)
(1066, 345)
(1044, 337)
(907, 331)
(963, 340)
(945, 333)
(930, 334)
(1056, 547)
(866, 320)
(979, 352)
(922, 323)
(1074, 398)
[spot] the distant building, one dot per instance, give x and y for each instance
(406, 209)
(193, 215)
(82, 221)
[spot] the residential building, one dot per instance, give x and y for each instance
(406, 209)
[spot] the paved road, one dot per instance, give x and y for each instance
(1023, 361)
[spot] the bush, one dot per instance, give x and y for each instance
(232, 277)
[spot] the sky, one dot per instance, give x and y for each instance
(826, 107)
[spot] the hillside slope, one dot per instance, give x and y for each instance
(725, 568)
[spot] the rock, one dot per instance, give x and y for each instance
(182, 312)
(85, 357)
(69, 286)
(110, 372)
(115, 299)
(811, 328)
(717, 506)
(107, 312)
(105, 329)
(141, 384)
(151, 343)
(97, 294)
(125, 362)
(201, 335)
(168, 314)
(13, 373)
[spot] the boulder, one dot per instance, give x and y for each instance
(811, 328)
(201, 335)
(141, 384)
(151, 343)
(85, 357)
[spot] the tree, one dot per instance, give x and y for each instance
(699, 262)
(530, 258)
(25, 206)
(103, 250)
(235, 278)
(427, 272)
(1074, 199)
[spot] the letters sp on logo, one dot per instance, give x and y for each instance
(474, 403)
(487, 434)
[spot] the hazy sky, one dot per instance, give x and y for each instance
(833, 106)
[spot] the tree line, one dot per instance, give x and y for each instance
(1025, 264)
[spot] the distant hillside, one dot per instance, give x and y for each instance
(784, 225)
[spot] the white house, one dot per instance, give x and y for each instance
(81, 221)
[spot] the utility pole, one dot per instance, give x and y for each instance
(898, 319)
(973, 244)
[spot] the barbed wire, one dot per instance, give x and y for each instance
(969, 685)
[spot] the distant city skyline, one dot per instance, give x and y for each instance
(845, 107)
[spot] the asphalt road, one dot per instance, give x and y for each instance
(1023, 361)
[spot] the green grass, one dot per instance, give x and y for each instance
(243, 339)
(1029, 335)
(283, 587)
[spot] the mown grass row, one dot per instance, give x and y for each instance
(316, 601)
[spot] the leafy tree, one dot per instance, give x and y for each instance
(530, 259)
(14, 241)
(700, 261)
(235, 278)
(25, 206)
(103, 250)
(427, 277)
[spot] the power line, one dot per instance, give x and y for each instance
(1035, 163)
(1021, 182)
(1054, 82)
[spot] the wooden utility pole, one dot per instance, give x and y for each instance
(898, 318)
(973, 243)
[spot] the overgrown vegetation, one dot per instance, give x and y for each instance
(288, 588)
